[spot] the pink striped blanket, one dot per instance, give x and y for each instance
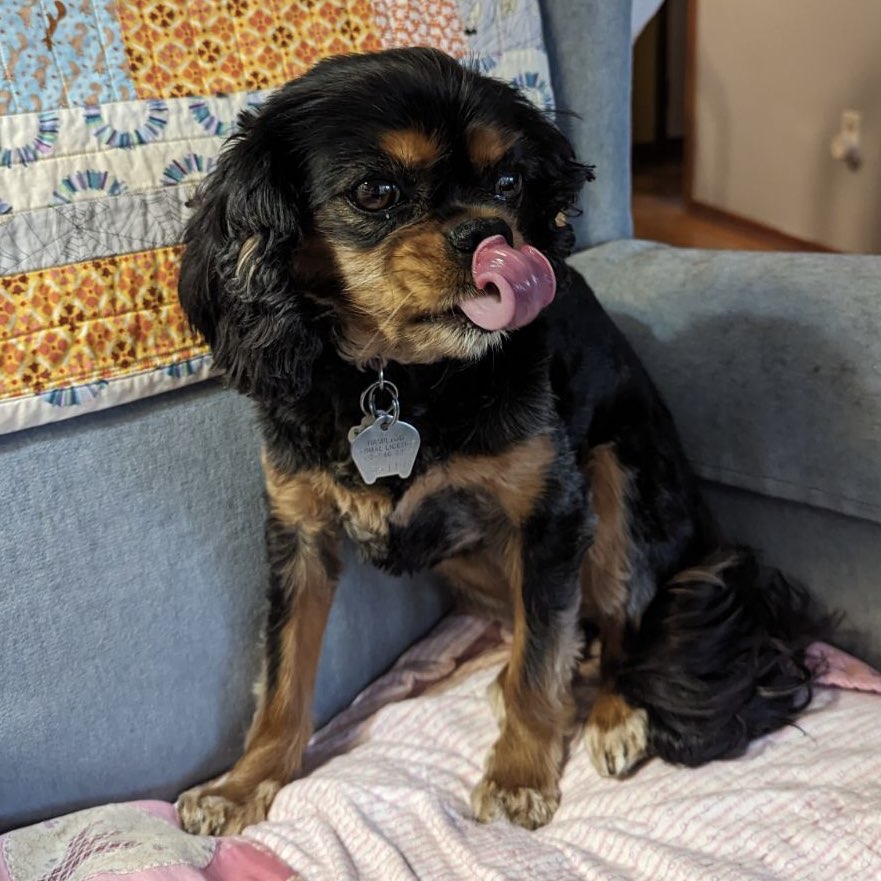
(387, 799)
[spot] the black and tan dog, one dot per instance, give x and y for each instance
(345, 228)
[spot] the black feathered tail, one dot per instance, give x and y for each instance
(719, 659)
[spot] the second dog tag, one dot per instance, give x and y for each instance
(387, 447)
(355, 430)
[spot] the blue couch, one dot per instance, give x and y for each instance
(131, 541)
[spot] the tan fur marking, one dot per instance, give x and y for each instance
(481, 580)
(610, 711)
(488, 145)
(297, 501)
(616, 734)
(523, 769)
(515, 479)
(522, 775)
(282, 723)
(280, 729)
(551, 702)
(514, 676)
(392, 290)
(315, 502)
(364, 512)
(606, 568)
(411, 147)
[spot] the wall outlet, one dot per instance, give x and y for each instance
(846, 144)
(850, 123)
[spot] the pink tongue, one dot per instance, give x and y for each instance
(523, 278)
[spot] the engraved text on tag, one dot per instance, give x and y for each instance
(386, 448)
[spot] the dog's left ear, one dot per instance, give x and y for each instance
(236, 283)
(557, 179)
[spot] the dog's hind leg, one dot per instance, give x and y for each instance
(302, 535)
(616, 734)
(719, 658)
(714, 658)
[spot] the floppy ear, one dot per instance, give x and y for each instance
(236, 284)
(556, 179)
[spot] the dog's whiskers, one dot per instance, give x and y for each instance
(366, 347)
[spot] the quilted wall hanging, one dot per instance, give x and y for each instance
(110, 114)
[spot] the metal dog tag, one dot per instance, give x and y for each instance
(387, 447)
(355, 430)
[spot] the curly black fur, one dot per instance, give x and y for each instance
(719, 663)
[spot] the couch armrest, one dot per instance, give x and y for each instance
(771, 364)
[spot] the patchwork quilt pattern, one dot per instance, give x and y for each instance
(110, 114)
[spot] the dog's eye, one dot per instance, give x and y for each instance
(375, 195)
(508, 185)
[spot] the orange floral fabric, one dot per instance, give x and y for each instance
(90, 321)
(204, 47)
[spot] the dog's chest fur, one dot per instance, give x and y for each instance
(477, 424)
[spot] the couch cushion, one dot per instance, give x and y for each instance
(836, 556)
(771, 363)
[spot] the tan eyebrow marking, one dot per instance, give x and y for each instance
(410, 146)
(487, 145)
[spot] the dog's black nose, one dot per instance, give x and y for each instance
(469, 234)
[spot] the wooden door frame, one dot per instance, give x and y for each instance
(785, 241)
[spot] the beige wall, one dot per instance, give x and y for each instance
(772, 77)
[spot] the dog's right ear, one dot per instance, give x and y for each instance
(236, 285)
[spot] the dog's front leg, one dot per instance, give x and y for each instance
(521, 781)
(302, 536)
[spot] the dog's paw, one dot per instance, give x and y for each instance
(393, 555)
(372, 547)
(206, 810)
(526, 807)
(616, 735)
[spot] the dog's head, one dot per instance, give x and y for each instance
(347, 211)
